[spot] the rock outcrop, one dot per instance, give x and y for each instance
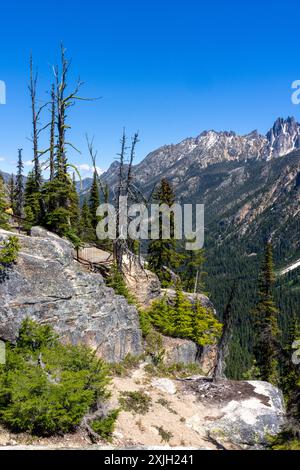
(248, 411)
(143, 284)
(47, 285)
(184, 351)
(250, 421)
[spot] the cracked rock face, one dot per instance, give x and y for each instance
(47, 285)
(248, 411)
(251, 421)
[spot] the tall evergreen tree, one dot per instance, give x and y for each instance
(192, 272)
(12, 192)
(162, 253)
(94, 200)
(290, 372)
(3, 205)
(181, 316)
(32, 198)
(85, 228)
(266, 342)
(19, 194)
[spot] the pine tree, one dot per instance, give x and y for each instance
(206, 329)
(19, 191)
(94, 200)
(117, 282)
(12, 192)
(289, 372)
(32, 198)
(181, 318)
(161, 316)
(3, 205)
(182, 315)
(266, 343)
(85, 229)
(74, 207)
(162, 252)
(192, 273)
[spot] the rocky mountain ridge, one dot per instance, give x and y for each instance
(212, 147)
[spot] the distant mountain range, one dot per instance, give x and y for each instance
(212, 147)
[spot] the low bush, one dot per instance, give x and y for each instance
(105, 427)
(182, 319)
(138, 402)
(9, 251)
(46, 387)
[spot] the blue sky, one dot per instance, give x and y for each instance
(167, 68)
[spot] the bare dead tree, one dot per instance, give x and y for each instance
(52, 134)
(119, 243)
(129, 181)
(125, 188)
(223, 346)
(36, 129)
(64, 100)
(93, 155)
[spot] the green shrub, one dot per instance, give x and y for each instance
(33, 336)
(174, 370)
(116, 281)
(286, 440)
(46, 387)
(9, 252)
(138, 402)
(145, 322)
(182, 319)
(124, 368)
(154, 347)
(165, 435)
(106, 426)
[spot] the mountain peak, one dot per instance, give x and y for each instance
(284, 136)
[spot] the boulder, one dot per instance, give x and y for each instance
(46, 284)
(179, 350)
(203, 299)
(245, 413)
(165, 385)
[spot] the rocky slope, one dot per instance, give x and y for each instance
(48, 285)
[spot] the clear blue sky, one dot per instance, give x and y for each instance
(168, 68)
